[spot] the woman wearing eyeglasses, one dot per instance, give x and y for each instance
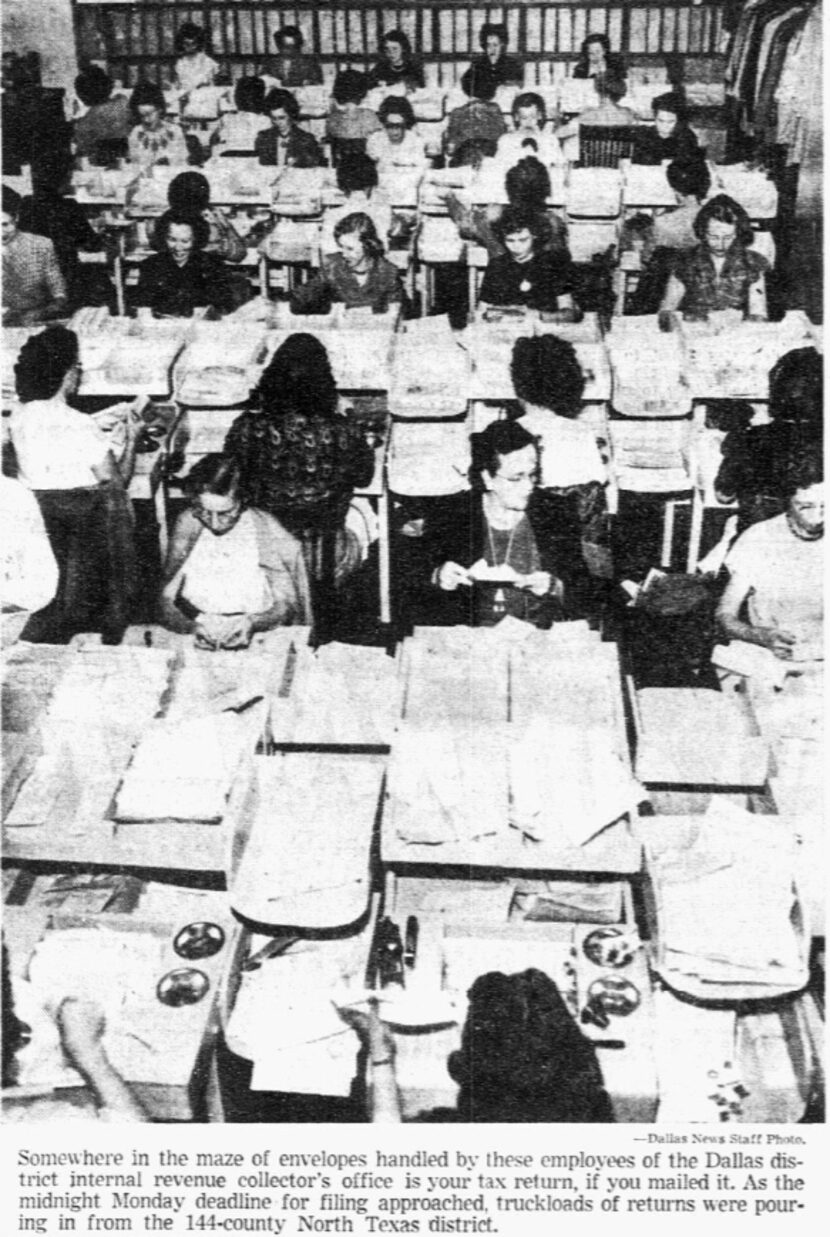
(396, 144)
(232, 571)
(490, 551)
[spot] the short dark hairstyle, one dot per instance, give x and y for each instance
(359, 224)
(398, 36)
(200, 227)
(279, 98)
(189, 192)
(478, 85)
(355, 172)
(500, 438)
(670, 102)
(545, 371)
(189, 32)
(689, 177)
(515, 218)
(472, 152)
(11, 202)
(725, 210)
(299, 379)
(796, 389)
(93, 86)
(806, 468)
(394, 105)
(528, 183)
(350, 86)
(249, 94)
(147, 94)
(529, 99)
(596, 37)
(494, 29)
(608, 86)
(289, 32)
(213, 474)
(44, 362)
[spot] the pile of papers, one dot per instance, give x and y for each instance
(429, 458)
(728, 358)
(647, 366)
(691, 736)
(750, 188)
(727, 908)
(594, 193)
(341, 695)
(220, 365)
(431, 373)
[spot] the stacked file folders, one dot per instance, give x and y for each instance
(728, 916)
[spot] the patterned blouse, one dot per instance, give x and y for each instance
(301, 468)
(165, 144)
(705, 291)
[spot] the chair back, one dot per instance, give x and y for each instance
(603, 146)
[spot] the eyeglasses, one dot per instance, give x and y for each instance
(395, 124)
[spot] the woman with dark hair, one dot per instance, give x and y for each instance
(66, 461)
(527, 185)
(300, 459)
(154, 139)
(494, 65)
(722, 272)
(607, 112)
(238, 131)
(549, 383)
(194, 68)
(358, 275)
(100, 135)
(357, 180)
(396, 144)
(596, 57)
(232, 570)
(529, 136)
(349, 124)
(189, 194)
(757, 459)
(522, 1058)
(495, 550)
(479, 119)
(183, 277)
(671, 137)
(397, 63)
(528, 274)
(291, 66)
(52, 213)
(285, 144)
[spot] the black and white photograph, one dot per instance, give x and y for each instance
(412, 541)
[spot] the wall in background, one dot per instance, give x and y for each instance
(43, 26)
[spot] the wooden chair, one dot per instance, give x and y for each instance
(602, 146)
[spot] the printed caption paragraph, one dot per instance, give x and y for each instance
(445, 1191)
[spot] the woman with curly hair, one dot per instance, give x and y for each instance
(397, 63)
(154, 139)
(300, 459)
(722, 271)
(183, 277)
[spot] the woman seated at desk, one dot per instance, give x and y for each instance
(66, 460)
(238, 131)
(357, 180)
(189, 194)
(285, 144)
(758, 459)
(671, 137)
(300, 459)
(194, 68)
(100, 135)
(722, 271)
(774, 596)
(596, 59)
(34, 288)
(231, 570)
(528, 274)
(358, 276)
(527, 186)
(183, 277)
(397, 64)
(530, 136)
(549, 386)
(397, 144)
(606, 113)
(154, 139)
(493, 551)
(349, 124)
(494, 65)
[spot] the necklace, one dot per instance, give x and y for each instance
(499, 604)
